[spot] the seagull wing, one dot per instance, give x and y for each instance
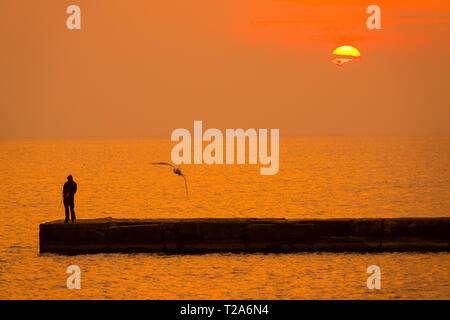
(165, 164)
(185, 184)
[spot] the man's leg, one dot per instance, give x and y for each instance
(72, 211)
(66, 207)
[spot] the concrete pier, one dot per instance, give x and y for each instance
(245, 235)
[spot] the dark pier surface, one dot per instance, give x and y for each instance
(245, 235)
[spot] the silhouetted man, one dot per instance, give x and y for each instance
(69, 190)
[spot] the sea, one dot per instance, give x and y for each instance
(319, 177)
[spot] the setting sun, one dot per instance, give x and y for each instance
(347, 51)
(345, 54)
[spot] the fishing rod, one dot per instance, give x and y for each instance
(59, 206)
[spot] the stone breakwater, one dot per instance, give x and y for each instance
(245, 235)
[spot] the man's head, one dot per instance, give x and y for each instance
(69, 177)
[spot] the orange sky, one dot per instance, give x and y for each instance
(145, 68)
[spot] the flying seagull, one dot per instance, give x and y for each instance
(177, 171)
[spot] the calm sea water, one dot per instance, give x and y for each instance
(318, 178)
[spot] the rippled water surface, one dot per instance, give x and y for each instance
(318, 178)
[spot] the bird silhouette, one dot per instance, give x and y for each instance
(177, 171)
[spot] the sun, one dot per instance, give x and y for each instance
(347, 51)
(345, 54)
